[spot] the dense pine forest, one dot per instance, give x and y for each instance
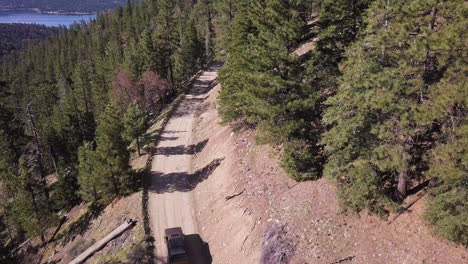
(16, 37)
(62, 103)
(87, 6)
(377, 105)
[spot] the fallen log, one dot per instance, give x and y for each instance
(103, 242)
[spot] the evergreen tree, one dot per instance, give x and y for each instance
(449, 199)
(166, 38)
(148, 51)
(189, 53)
(111, 153)
(203, 12)
(66, 194)
(31, 208)
(262, 80)
(88, 180)
(226, 11)
(135, 124)
(377, 142)
(134, 61)
(8, 177)
(443, 113)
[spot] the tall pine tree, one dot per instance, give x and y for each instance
(377, 140)
(111, 153)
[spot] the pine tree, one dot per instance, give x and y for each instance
(66, 195)
(443, 113)
(226, 10)
(88, 179)
(7, 167)
(148, 51)
(166, 38)
(262, 81)
(112, 154)
(135, 124)
(31, 207)
(203, 11)
(446, 209)
(188, 55)
(236, 68)
(134, 61)
(376, 140)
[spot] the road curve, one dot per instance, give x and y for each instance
(170, 201)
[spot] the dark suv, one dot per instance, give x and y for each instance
(176, 250)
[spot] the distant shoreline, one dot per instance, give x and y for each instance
(39, 11)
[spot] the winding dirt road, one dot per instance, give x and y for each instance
(172, 181)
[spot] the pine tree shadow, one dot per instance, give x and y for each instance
(181, 181)
(181, 149)
(192, 100)
(188, 106)
(164, 138)
(81, 225)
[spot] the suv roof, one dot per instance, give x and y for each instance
(171, 231)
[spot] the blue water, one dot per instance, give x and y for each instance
(42, 19)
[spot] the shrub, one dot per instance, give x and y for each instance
(300, 161)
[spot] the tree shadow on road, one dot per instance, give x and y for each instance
(181, 181)
(188, 106)
(182, 150)
(190, 103)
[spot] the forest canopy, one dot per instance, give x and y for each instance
(378, 106)
(63, 99)
(17, 37)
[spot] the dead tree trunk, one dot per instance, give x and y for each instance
(402, 183)
(37, 143)
(138, 146)
(102, 243)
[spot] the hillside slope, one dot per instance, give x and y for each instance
(271, 217)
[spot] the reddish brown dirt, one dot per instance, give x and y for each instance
(316, 229)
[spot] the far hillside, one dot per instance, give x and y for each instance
(15, 37)
(84, 6)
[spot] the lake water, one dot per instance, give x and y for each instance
(43, 19)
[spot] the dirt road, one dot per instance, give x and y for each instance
(172, 182)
